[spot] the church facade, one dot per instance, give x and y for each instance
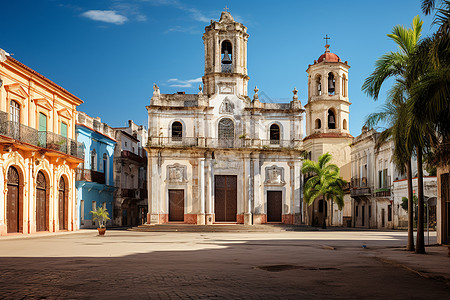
(221, 156)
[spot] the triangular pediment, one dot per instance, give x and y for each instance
(44, 103)
(17, 90)
(65, 113)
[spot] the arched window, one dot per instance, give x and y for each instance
(93, 160)
(14, 111)
(227, 57)
(331, 84)
(226, 132)
(318, 124)
(344, 124)
(318, 84)
(274, 134)
(177, 131)
(331, 120)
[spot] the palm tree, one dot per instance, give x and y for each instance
(429, 105)
(394, 65)
(324, 182)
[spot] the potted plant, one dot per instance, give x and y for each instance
(100, 215)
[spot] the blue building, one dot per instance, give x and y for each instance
(95, 177)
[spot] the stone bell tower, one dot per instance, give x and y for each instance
(327, 117)
(225, 57)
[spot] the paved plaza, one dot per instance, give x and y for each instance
(218, 265)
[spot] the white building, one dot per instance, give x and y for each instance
(220, 156)
(378, 187)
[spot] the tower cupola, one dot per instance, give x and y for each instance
(225, 56)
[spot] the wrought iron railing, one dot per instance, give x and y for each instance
(221, 143)
(365, 191)
(53, 141)
(132, 156)
(43, 139)
(90, 175)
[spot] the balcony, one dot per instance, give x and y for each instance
(90, 175)
(385, 192)
(132, 156)
(187, 142)
(43, 139)
(363, 191)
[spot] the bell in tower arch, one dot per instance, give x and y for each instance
(226, 58)
(331, 84)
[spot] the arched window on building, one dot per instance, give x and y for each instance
(318, 124)
(274, 133)
(344, 124)
(331, 120)
(331, 84)
(318, 85)
(177, 131)
(226, 133)
(93, 160)
(227, 57)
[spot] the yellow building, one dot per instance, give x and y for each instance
(38, 151)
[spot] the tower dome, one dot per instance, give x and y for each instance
(328, 56)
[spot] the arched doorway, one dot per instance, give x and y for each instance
(13, 205)
(63, 205)
(41, 203)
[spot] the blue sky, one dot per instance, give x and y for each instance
(110, 52)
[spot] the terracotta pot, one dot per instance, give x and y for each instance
(101, 231)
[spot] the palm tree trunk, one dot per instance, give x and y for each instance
(410, 245)
(325, 210)
(420, 244)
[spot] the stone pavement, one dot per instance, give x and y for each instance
(215, 265)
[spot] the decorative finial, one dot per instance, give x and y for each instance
(295, 91)
(326, 38)
(256, 97)
(226, 8)
(200, 88)
(155, 89)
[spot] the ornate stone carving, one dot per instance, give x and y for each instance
(274, 175)
(226, 88)
(176, 173)
(226, 107)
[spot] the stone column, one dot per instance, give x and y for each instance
(201, 177)
(247, 200)
(153, 201)
(297, 193)
(210, 193)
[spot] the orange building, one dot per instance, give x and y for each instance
(38, 151)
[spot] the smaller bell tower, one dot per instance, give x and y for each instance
(327, 110)
(225, 56)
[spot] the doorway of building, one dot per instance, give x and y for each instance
(13, 207)
(41, 203)
(225, 198)
(176, 205)
(274, 206)
(62, 205)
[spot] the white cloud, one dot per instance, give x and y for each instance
(175, 82)
(107, 16)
